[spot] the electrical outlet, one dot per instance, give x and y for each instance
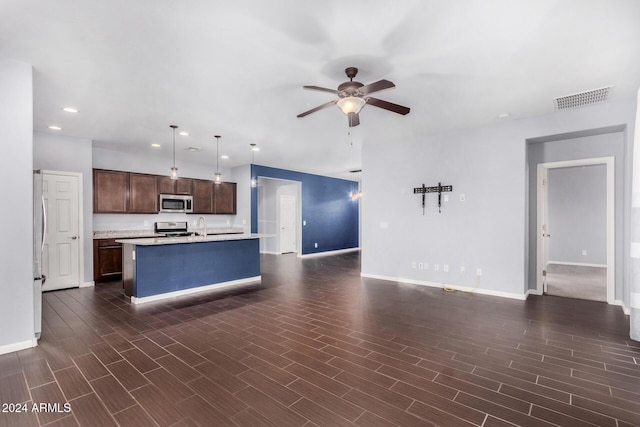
(446, 197)
(426, 265)
(315, 245)
(146, 222)
(479, 272)
(445, 268)
(436, 267)
(463, 269)
(304, 223)
(584, 252)
(420, 266)
(413, 264)
(462, 197)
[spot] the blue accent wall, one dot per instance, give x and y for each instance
(331, 217)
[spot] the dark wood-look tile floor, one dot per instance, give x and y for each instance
(317, 345)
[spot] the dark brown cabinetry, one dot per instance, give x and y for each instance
(107, 260)
(166, 185)
(143, 193)
(110, 191)
(224, 198)
(202, 196)
(128, 192)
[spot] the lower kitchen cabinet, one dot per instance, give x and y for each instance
(107, 260)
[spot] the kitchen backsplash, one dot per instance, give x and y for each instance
(107, 222)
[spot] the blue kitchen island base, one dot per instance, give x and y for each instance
(157, 271)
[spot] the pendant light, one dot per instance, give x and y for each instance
(254, 180)
(355, 194)
(174, 169)
(218, 177)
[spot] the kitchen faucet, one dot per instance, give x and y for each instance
(204, 221)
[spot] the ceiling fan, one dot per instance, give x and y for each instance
(352, 96)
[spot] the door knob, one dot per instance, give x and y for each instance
(73, 237)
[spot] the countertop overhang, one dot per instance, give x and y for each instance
(152, 241)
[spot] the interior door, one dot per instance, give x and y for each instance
(61, 254)
(287, 224)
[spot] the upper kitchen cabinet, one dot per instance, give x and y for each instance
(166, 185)
(110, 191)
(143, 193)
(202, 196)
(224, 198)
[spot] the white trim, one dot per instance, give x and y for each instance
(10, 348)
(533, 292)
(142, 300)
(626, 310)
(577, 264)
(336, 252)
(635, 249)
(270, 253)
(542, 175)
(634, 300)
(441, 285)
(87, 284)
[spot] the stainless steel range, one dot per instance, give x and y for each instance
(172, 229)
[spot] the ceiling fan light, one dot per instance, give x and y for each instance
(351, 104)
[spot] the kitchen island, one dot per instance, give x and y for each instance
(164, 267)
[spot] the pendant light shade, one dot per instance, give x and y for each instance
(351, 104)
(174, 169)
(254, 180)
(218, 177)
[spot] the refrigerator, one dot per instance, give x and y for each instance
(39, 233)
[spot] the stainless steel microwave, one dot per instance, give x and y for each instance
(176, 203)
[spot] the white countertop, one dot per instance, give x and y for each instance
(134, 234)
(151, 241)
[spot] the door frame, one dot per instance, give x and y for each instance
(542, 213)
(80, 219)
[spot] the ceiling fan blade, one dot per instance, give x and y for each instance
(354, 119)
(386, 105)
(376, 87)
(322, 89)
(319, 107)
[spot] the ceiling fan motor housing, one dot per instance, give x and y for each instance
(349, 89)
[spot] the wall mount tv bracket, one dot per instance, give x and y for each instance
(439, 189)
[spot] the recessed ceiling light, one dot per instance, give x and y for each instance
(224, 156)
(193, 149)
(183, 133)
(54, 127)
(154, 145)
(504, 116)
(69, 109)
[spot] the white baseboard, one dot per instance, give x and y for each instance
(270, 253)
(336, 252)
(10, 348)
(87, 284)
(577, 264)
(533, 292)
(142, 300)
(453, 287)
(626, 310)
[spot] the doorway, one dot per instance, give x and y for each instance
(279, 215)
(575, 229)
(62, 257)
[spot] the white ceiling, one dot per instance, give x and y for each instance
(237, 69)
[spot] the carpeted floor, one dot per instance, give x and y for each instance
(574, 281)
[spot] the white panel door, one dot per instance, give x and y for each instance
(60, 258)
(287, 224)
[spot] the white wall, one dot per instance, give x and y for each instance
(577, 207)
(148, 162)
(489, 229)
(61, 153)
(16, 245)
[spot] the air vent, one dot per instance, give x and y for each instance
(583, 98)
